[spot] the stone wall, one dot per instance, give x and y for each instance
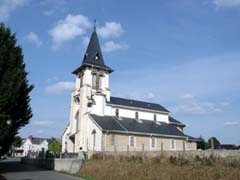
(201, 153)
(66, 165)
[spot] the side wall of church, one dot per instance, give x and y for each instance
(122, 143)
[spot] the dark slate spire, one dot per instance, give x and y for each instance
(93, 56)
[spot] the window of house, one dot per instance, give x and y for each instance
(153, 142)
(155, 117)
(173, 144)
(132, 141)
(94, 137)
(113, 140)
(117, 113)
(136, 115)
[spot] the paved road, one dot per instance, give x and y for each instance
(12, 169)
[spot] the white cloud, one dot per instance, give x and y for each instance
(54, 7)
(231, 123)
(187, 96)
(8, 6)
(40, 131)
(33, 38)
(69, 28)
(227, 3)
(60, 87)
(43, 123)
(170, 83)
(191, 105)
(112, 46)
(110, 29)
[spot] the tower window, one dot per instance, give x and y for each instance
(97, 57)
(94, 81)
(101, 81)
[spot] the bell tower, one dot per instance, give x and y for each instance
(91, 93)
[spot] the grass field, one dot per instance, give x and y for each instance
(161, 168)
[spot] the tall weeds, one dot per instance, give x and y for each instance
(161, 168)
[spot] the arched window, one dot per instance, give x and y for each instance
(101, 81)
(136, 115)
(94, 81)
(117, 113)
(81, 81)
(132, 141)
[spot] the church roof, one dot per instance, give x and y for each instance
(93, 56)
(133, 126)
(136, 104)
(176, 122)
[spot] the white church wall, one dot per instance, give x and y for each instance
(99, 106)
(124, 112)
(93, 129)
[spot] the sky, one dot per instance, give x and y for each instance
(184, 55)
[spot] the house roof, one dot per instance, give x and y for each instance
(133, 126)
(136, 104)
(175, 122)
(93, 56)
(37, 140)
(190, 138)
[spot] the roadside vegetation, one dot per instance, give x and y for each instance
(161, 168)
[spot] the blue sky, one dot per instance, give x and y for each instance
(184, 55)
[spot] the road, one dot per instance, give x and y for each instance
(12, 169)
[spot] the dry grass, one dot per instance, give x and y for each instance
(160, 168)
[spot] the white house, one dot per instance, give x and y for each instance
(32, 145)
(101, 122)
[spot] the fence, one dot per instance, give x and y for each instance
(200, 153)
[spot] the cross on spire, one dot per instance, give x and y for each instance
(94, 24)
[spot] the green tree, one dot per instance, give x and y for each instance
(15, 111)
(55, 146)
(216, 143)
(201, 144)
(17, 141)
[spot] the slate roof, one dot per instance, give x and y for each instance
(37, 140)
(176, 122)
(92, 51)
(136, 104)
(132, 126)
(190, 138)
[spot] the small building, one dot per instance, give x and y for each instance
(32, 145)
(101, 122)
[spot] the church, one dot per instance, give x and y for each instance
(101, 122)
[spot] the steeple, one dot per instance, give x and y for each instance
(93, 56)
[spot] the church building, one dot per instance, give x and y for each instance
(101, 122)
